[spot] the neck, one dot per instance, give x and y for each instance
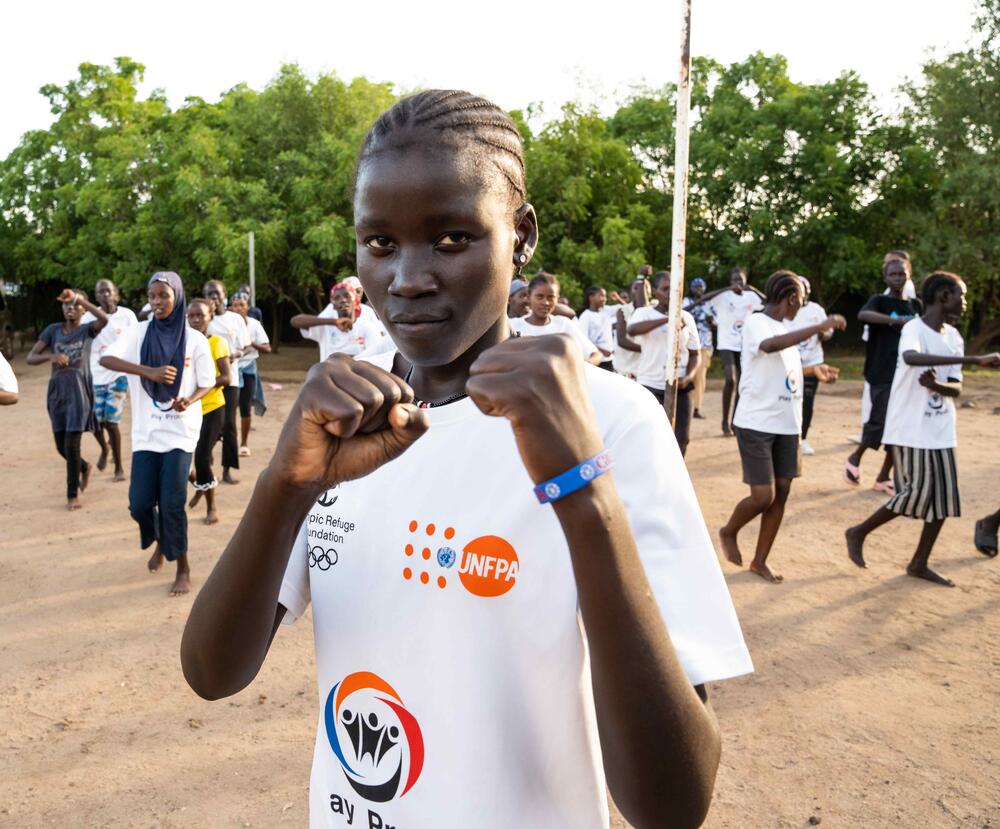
(534, 319)
(110, 308)
(435, 383)
(71, 324)
(775, 312)
(663, 308)
(935, 317)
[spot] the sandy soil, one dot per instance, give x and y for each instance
(874, 703)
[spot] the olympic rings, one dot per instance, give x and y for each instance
(322, 558)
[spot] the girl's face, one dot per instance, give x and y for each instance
(737, 282)
(954, 302)
(72, 311)
(662, 291)
(343, 303)
(794, 302)
(543, 300)
(599, 300)
(240, 306)
(161, 300)
(199, 316)
(107, 294)
(895, 275)
(518, 304)
(436, 244)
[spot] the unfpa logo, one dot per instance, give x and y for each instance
(377, 741)
(487, 566)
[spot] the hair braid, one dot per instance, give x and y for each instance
(458, 117)
(779, 285)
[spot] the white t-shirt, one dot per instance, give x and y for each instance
(916, 416)
(731, 311)
(233, 328)
(555, 325)
(596, 326)
(8, 382)
(623, 360)
(118, 322)
(257, 335)
(475, 686)
(811, 350)
(364, 334)
(652, 369)
(770, 384)
(155, 430)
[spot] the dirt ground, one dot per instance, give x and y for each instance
(875, 701)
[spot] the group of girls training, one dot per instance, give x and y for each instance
(176, 368)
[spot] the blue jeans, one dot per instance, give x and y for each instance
(156, 494)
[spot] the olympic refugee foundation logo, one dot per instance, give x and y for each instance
(377, 741)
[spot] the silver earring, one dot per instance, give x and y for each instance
(522, 259)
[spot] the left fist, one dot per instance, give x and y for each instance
(538, 384)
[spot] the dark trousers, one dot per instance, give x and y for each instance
(246, 394)
(808, 399)
(211, 428)
(230, 439)
(68, 445)
(682, 421)
(156, 494)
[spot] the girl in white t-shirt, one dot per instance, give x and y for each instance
(513, 661)
(251, 388)
(8, 383)
(543, 296)
(170, 368)
(596, 324)
(768, 416)
(920, 423)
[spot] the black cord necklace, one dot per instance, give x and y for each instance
(427, 404)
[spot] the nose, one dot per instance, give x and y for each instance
(412, 275)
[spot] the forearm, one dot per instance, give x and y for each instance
(229, 630)
(877, 318)
(199, 393)
(125, 367)
(36, 358)
(783, 341)
(8, 398)
(639, 328)
(660, 758)
(98, 312)
(916, 358)
(949, 389)
(301, 321)
(263, 348)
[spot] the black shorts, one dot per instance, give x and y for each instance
(871, 433)
(730, 359)
(659, 394)
(766, 456)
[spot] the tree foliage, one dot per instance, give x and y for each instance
(811, 177)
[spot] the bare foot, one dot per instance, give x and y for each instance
(212, 517)
(181, 585)
(925, 572)
(73, 504)
(119, 475)
(102, 461)
(855, 542)
(194, 500)
(85, 471)
(726, 432)
(730, 548)
(765, 573)
(156, 560)
(227, 478)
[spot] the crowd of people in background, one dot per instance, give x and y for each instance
(765, 340)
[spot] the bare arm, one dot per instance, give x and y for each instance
(621, 333)
(155, 374)
(917, 358)
(636, 329)
(301, 321)
(951, 388)
(878, 318)
(783, 341)
(8, 398)
(661, 757)
(37, 355)
(694, 360)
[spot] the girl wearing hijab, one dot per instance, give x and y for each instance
(169, 367)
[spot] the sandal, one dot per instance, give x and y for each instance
(244, 451)
(986, 542)
(887, 486)
(852, 473)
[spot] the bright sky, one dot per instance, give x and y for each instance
(514, 53)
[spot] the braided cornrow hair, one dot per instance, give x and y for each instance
(936, 282)
(459, 118)
(779, 285)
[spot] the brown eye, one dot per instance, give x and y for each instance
(453, 240)
(378, 243)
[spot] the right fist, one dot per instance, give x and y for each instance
(990, 360)
(835, 321)
(163, 374)
(60, 360)
(350, 418)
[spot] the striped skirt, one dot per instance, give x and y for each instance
(926, 483)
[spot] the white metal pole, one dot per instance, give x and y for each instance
(679, 236)
(253, 274)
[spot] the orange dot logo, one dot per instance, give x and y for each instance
(489, 566)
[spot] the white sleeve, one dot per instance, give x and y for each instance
(294, 594)
(258, 334)
(202, 362)
(244, 340)
(754, 333)
(675, 548)
(8, 382)
(691, 341)
(909, 339)
(126, 347)
(585, 344)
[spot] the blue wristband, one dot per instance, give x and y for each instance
(573, 479)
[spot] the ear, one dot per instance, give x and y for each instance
(525, 232)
